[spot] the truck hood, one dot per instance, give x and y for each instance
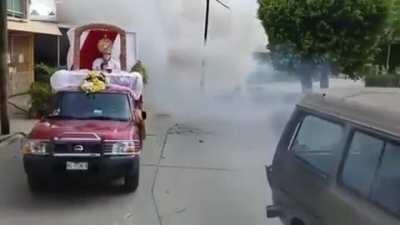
(107, 130)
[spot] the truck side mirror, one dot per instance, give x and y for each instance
(144, 115)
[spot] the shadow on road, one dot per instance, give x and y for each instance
(75, 188)
(58, 194)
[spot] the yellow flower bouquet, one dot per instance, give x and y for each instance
(95, 82)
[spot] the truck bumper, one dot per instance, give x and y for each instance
(101, 168)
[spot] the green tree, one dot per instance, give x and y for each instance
(333, 34)
(140, 68)
(392, 34)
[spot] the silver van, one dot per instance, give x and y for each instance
(338, 160)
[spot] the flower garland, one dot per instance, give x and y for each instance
(95, 82)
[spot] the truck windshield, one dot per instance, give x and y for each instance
(97, 106)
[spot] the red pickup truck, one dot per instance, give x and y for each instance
(93, 135)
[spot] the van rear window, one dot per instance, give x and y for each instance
(316, 143)
(386, 190)
(372, 169)
(362, 162)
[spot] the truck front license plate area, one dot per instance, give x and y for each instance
(77, 166)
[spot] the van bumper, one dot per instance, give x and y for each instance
(101, 168)
(274, 211)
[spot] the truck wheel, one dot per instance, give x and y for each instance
(131, 182)
(35, 184)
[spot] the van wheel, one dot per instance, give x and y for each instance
(297, 222)
(131, 182)
(35, 184)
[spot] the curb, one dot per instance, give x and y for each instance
(5, 140)
(15, 105)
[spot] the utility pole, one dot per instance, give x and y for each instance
(208, 16)
(203, 61)
(206, 22)
(5, 122)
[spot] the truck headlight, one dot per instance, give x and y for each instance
(126, 147)
(36, 147)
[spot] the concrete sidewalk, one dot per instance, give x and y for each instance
(19, 120)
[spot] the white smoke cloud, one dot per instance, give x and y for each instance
(170, 36)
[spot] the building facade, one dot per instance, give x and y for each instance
(21, 41)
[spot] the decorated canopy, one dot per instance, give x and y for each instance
(88, 43)
(64, 79)
(84, 42)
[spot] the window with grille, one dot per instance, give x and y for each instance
(16, 8)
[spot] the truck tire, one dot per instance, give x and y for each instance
(35, 184)
(131, 181)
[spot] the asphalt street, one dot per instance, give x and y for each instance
(195, 171)
(209, 135)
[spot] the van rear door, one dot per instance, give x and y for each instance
(366, 193)
(306, 164)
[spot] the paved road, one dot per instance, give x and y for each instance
(197, 171)
(201, 166)
(203, 162)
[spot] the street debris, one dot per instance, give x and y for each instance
(180, 210)
(181, 129)
(128, 215)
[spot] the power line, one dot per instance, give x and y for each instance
(223, 4)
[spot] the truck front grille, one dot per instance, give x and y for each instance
(77, 148)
